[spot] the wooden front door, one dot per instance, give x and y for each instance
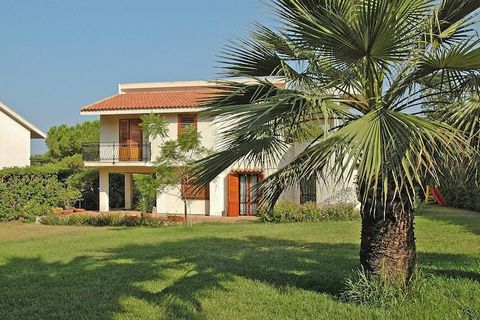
(242, 200)
(131, 140)
(233, 195)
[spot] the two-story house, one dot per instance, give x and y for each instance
(124, 149)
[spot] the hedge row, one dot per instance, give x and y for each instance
(292, 212)
(105, 220)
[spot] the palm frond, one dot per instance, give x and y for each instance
(452, 22)
(390, 151)
(464, 116)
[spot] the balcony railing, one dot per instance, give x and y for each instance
(117, 152)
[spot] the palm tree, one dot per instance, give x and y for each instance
(370, 65)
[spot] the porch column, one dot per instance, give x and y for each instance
(218, 191)
(104, 185)
(128, 191)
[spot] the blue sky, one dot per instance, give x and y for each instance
(59, 55)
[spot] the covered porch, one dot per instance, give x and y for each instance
(104, 185)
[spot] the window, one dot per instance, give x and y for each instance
(308, 190)
(186, 120)
(194, 192)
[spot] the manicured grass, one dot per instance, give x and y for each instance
(235, 271)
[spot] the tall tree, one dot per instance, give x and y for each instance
(369, 65)
(65, 141)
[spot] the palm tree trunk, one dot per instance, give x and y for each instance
(388, 241)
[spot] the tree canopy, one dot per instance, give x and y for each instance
(65, 141)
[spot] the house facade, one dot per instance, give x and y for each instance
(124, 149)
(15, 138)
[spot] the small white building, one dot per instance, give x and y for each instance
(15, 138)
(124, 149)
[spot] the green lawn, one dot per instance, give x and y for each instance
(235, 271)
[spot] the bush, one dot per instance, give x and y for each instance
(461, 188)
(146, 187)
(104, 220)
(24, 194)
(291, 212)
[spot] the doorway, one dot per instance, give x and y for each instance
(242, 200)
(248, 200)
(131, 138)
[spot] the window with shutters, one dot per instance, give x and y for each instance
(186, 120)
(194, 192)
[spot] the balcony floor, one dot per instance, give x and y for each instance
(121, 167)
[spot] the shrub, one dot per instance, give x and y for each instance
(24, 194)
(146, 187)
(104, 220)
(461, 188)
(291, 212)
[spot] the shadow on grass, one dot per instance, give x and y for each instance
(449, 265)
(467, 219)
(171, 276)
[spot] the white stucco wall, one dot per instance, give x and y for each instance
(14, 143)
(170, 202)
(109, 130)
(330, 189)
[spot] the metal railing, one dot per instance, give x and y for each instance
(115, 152)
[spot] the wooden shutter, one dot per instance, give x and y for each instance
(194, 192)
(185, 120)
(124, 131)
(233, 195)
(135, 132)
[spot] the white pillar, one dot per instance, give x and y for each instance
(218, 195)
(104, 185)
(128, 191)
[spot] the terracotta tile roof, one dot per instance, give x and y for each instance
(152, 100)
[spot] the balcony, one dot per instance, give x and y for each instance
(117, 152)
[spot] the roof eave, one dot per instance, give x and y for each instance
(35, 133)
(142, 111)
